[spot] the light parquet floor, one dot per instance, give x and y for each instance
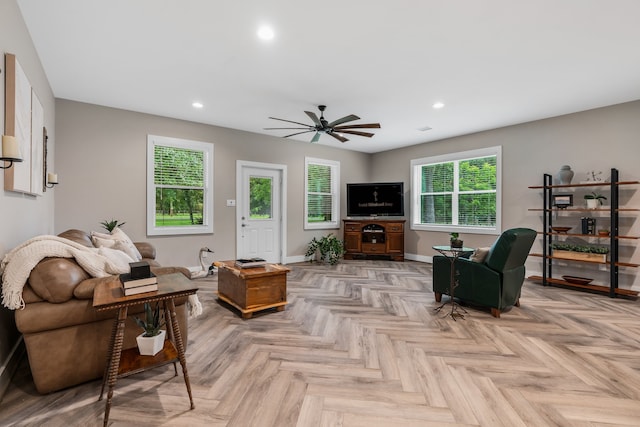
(360, 345)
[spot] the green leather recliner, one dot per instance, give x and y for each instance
(495, 282)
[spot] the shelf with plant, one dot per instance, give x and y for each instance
(587, 253)
(580, 248)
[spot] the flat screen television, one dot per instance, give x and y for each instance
(375, 199)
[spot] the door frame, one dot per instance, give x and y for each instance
(240, 165)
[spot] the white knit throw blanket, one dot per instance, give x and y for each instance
(16, 266)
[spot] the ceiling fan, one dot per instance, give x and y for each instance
(321, 125)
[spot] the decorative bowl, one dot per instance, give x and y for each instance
(561, 229)
(577, 280)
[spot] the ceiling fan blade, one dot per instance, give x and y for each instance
(307, 127)
(338, 137)
(290, 121)
(314, 117)
(316, 137)
(298, 133)
(349, 118)
(360, 126)
(355, 132)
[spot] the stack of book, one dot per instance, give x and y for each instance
(250, 262)
(139, 280)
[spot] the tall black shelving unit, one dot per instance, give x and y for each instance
(614, 237)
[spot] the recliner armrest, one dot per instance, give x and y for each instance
(468, 272)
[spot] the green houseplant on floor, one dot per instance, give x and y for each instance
(330, 248)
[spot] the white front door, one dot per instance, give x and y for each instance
(260, 211)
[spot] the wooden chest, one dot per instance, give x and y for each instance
(252, 289)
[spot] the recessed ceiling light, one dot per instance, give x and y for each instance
(438, 105)
(265, 33)
(197, 105)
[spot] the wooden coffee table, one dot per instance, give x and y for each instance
(252, 289)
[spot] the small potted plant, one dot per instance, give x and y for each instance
(455, 241)
(603, 232)
(111, 225)
(330, 247)
(151, 341)
(593, 198)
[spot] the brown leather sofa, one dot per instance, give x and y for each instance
(66, 339)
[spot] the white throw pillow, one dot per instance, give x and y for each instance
(101, 242)
(118, 258)
(126, 244)
(101, 235)
(118, 239)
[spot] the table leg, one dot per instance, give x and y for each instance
(114, 330)
(167, 319)
(180, 347)
(452, 287)
(114, 359)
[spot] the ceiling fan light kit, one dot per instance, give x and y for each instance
(336, 128)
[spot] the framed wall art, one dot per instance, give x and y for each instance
(562, 201)
(24, 119)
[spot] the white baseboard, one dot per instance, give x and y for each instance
(8, 368)
(412, 257)
(294, 259)
(419, 258)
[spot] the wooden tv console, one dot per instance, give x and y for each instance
(374, 239)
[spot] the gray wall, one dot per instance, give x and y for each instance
(21, 216)
(592, 140)
(102, 168)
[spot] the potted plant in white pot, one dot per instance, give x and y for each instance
(151, 341)
(593, 199)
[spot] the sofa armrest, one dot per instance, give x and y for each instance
(147, 250)
(161, 271)
(85, 289)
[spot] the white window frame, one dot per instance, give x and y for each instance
(417, 164)
(335, 193)
(207, 215)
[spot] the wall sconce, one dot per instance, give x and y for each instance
(50, 179)
(10, 151)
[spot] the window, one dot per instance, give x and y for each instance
(179, 186)
(457, 192)
(260, 197)
(322, 193)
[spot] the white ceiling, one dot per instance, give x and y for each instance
(492, 62)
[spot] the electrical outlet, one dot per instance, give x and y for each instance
(231, 202)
